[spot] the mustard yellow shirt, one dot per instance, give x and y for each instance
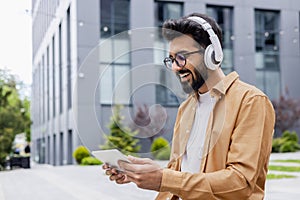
(237, 146)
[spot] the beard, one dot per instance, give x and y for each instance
(197, 81)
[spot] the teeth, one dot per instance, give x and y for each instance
(184, 75)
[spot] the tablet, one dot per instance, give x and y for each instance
(110, 156)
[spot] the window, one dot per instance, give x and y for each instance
(70, 147)
(267, 52)
(115, 62)
(224, 17)
(114, 17)
(54, 149)
(165, 91)
(61, 148)
(69, 64)
(48, 84)
(43, 99)
(53, 76)
(60, 69)
(48, 150)
(167, 10)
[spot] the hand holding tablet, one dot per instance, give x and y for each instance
(111, 156)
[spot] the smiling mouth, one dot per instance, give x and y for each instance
(184, 76)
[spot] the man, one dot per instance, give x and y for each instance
(223, 132)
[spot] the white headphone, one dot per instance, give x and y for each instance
(213, 55)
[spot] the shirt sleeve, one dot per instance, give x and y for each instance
(248, 153)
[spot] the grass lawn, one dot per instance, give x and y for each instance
(284, 168)
(279, 176)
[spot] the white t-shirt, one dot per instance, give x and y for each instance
(191, 160)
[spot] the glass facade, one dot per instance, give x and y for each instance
(224, 17)
(267, 52)
(114, 17)
(114, 50)
(164, 92)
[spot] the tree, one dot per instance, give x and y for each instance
(14, 113)
(287, 114)
(150, 123)
(121, 137)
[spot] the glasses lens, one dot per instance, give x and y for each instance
(168, 62)
(180, 60)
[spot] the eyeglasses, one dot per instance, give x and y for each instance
(180, 59)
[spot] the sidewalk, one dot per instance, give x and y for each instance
(287, 188)
(44, 182)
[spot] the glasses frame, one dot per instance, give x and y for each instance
(168, 61)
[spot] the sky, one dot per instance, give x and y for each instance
(15, 38)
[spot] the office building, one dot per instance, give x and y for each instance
(91, 55)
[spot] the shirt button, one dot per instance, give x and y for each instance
(187, 131)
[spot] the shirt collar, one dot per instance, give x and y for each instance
(221, 87)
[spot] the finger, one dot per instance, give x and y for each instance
(118, 177)
(114, 177)
(122, 180)
(139, 168)
(136, 160)
(108, 172)
(131, 175)
(130, 178)
(105, 166)
(114, 171)
(125, 166)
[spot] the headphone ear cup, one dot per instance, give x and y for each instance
(209, 59)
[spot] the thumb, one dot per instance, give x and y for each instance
(136, 160)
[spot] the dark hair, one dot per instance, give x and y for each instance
(174, 28)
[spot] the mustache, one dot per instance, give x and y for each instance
(182, 71)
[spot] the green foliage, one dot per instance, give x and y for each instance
(90, 161)
(279, 176)
(6, 140)
(284, 168)
(163, 154)
(121, 137)
(287, 112)
(14, 113)
(288, 142)
(80, 153)
(160, 149)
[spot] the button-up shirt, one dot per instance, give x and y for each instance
(236, 150)
(192, 157)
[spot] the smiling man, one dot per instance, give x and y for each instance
(223, 132)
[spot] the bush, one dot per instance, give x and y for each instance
(164, 154)
(288, 142)
(160, 149)
(80, 153)
(90, 161)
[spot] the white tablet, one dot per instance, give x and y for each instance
(110, 156)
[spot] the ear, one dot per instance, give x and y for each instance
(209, 58)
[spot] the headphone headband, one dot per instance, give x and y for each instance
(218, 52)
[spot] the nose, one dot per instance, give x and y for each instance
(175, 67)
